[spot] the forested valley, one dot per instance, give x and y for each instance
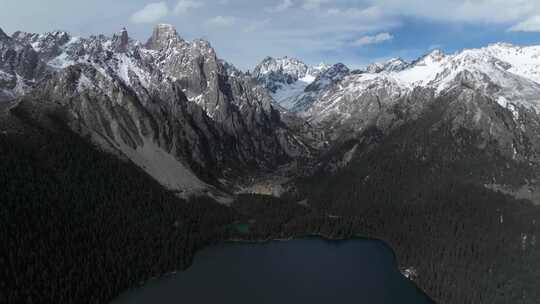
(80, 226)
(422, 192)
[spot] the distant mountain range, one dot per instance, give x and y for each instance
(386, 94)
(175, 109)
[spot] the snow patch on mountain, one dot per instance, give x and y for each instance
(392, 65)
(286, 77)
(126, 67)
(524, 60)
(421, 72)
(285, 94)
(62, 61)
(319, 87)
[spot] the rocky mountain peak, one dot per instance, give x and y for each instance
(180, 113)
(60, 35)
(436, 55)
(316, 70)
(286, 77)
(24, 36)
(48, 45)
(323, 83)
(120, 41)
(230, 69)
(288, 67)
(391, 65)
(162, 36)
(3, 36)
(504, 45)
(332, 75)
(204, 46)
(267, 59)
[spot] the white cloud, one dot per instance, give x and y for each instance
(221, 21)
(151, 13)
(372, 12)
(280, 7)
(327, 25)
(531, 24)
(183, 6)
(471, 11)
(375, 39)
(313, 4)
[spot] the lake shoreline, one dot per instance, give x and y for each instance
(245, 241)
(330, 238)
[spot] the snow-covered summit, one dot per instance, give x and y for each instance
(502, 71)
(121, 41)
(505, 74)
(524, 60)
(391, 65)
(293, 68)
(286, 77)
(319, 69)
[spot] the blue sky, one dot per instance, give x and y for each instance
(355, 32)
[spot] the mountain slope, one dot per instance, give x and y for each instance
(387, 98)
(391, 65)
(168, 105)
(422, 187)
(80, 226)
(316, 90)
(504, 72)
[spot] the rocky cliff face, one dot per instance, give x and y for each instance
(20, 67)
(168, 105)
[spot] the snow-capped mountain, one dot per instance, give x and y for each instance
(286, 77)
(169, 105)
(478, 105)
(509, 74)
(190, 119)
(391, 65)
(492, 91)
(313, 92)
